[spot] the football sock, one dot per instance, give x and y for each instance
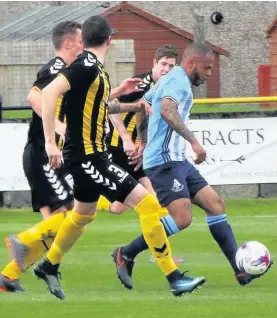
(12, 270)
(223, 235)
(154, 233)
(70, 230)
(139, 244)
(44, 229)
(162, 212)
(103, 204)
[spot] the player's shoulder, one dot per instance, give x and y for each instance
(147, 80)
(52, 68)
(177, 76)
(86, 60)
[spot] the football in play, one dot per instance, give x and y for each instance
(253, 258)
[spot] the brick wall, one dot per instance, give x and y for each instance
(273, 79)
(241, 33)
(20, 62)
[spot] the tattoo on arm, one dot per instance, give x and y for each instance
(170, 114)
(114, 107)
(142, 126)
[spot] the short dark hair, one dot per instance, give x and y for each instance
(166, 51)
(62, 29)
(96, 31)
(194, 49)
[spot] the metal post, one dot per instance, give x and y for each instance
(1, 109)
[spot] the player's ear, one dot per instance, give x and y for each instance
(191, 62)
(109, 40)
(66, 43)
(155, 62)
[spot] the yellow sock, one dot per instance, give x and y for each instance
(44, 229)
(162, 212)
(154, 233)
(103, 204)
(12, 270)
(39, 238)
(70, 230)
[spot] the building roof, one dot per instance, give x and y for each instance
(38, 22)
(126, 6)
(270, 28)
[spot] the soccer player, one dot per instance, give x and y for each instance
(87, 89)
(122, 137)
(30, 245)
(176, 181)
(50, 189)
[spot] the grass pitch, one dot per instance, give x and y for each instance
(92, 289)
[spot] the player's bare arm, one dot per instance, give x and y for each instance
(114, 107)
(171, 115)
(35, 101)
(118, 124)
(50, 95)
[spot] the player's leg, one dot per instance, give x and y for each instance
(178, 204)
(51, 193)
(86, 193)
(206, 198)
(170, 185)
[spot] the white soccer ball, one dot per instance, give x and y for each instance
(253, 258)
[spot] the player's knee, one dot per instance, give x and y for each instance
(183, 220)
(181, 212)
(147, 205)
(117, 208)
(81, 220)
(219, 206)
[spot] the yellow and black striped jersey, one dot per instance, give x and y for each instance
(129, 119)
(45, 76)
(86, 107)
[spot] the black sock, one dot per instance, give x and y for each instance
(223, 235)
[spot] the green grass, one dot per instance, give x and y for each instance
(217, 108)
(15, 114)
(197, 109)
(92, 289)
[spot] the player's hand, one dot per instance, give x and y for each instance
(199, 151)
(128, 145)
(54, 155)
(146, 106)
(60, 129)
(130, 85)
(136, 157)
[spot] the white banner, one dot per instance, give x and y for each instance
(239, 151)
(13, 138)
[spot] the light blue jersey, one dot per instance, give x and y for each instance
(164, 144)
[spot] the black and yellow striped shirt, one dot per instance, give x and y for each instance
(45, 76)
(86, 108)
(129, 119)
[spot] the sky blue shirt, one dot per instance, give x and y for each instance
(164, 144)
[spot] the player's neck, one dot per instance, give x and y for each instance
(64, 56)
(100, 52)
(155, 78)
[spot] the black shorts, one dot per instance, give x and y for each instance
(119, 157)
(49, 187)
(96, 175)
